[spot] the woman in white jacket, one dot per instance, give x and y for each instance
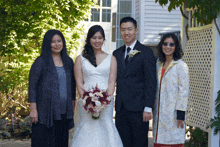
(172, 96)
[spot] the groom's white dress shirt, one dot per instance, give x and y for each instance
(146, 109)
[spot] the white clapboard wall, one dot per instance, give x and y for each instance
(154, 19)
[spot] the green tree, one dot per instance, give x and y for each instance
(22, 26)
(205, 10)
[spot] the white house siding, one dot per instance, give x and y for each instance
(157, 20)
(137, 14)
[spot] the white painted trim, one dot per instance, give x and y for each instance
(100, 17)
(200, 28)
(141, 20)
(184, 22)
(213, 140)
(114, 6)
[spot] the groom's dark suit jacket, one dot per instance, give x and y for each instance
(136, 82)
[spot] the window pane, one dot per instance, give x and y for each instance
(124, 9)
(106, 15)
(106, 3)
(118, 33)
(95, 14)
(121, 42)
(125, 6)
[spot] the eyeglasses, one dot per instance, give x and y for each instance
(171, 44)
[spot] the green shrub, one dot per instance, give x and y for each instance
(198, 138)
(4, 129)
(25, 125)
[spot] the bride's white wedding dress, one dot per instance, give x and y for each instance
(96, 132)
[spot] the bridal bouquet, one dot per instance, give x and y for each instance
(95, 100)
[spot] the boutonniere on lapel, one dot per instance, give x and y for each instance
(132, 53)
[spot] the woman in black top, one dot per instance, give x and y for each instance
(52, 93)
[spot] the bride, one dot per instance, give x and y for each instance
(95, 67)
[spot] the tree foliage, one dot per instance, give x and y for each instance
(205, 10)
(23, 24)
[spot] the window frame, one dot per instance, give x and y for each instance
(101, 8)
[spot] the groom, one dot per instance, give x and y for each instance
(136, 86)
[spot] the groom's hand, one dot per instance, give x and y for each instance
(147, 116)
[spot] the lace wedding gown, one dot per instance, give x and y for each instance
(96, 132)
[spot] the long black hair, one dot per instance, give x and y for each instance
(88, 51)
(178, 53)
(46, 46)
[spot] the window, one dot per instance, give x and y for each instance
(95, 14)
(106, 3)
(106, 15)
(103, 13)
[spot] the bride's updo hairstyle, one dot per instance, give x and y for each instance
(88, 51)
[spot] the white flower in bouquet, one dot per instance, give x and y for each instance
(90, 106)
(97, 109)
(91, 94)
(84, 101)
(94, 99)
(97, 103)
(99, 94)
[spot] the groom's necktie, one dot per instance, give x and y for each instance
(127, 57)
